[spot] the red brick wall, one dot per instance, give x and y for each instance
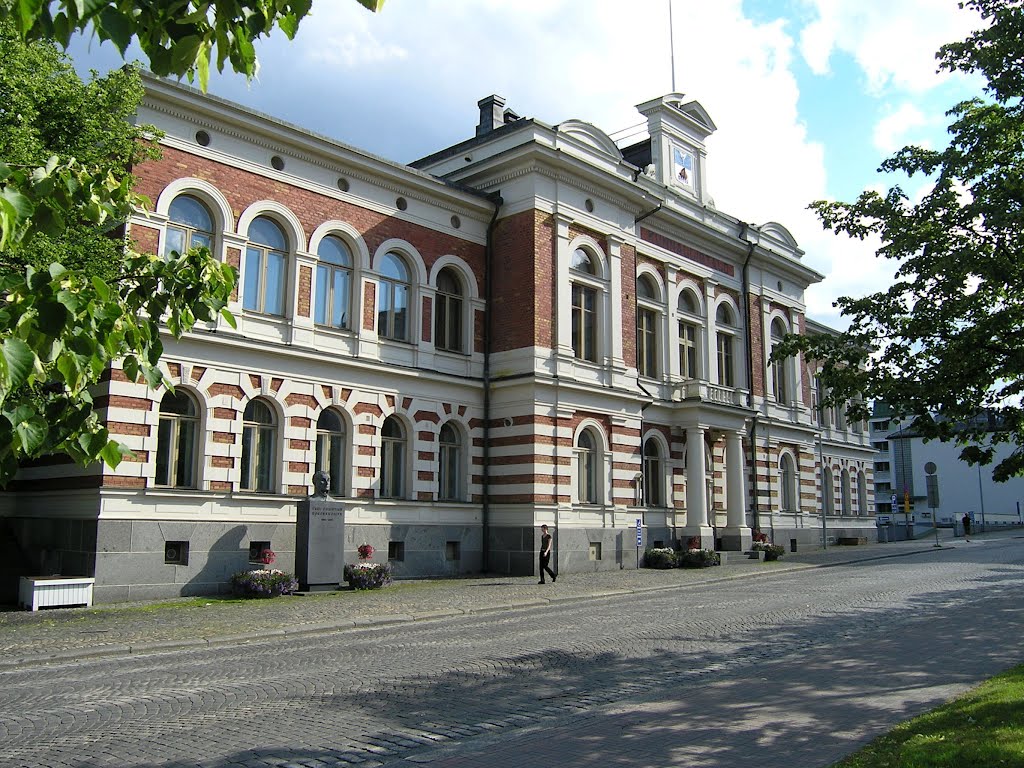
(523, 292)
(628, 278)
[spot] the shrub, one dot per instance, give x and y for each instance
(368, 575)
(365, 551)
(263, 583)
(660, 557)
(771, 551)
(699, 558)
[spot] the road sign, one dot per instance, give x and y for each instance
(882, 519)
(639, 532)
(895, 504)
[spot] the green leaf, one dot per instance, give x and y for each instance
(112, 454)
(116, 25)
(31, 433)
(20, 362)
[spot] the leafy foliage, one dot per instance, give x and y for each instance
(943, 342)
(263, 583)
(177, 36)
(75, 300)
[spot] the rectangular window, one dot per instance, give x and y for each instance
(453, 550)
(584, 323)
(687, 351)
(396, 551)
(256, 550)
(175, 553)
(725, 363)
(448, 481)
(646, 343)
(595, 550)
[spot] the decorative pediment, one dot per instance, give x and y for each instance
(779, 232)
(591, 136)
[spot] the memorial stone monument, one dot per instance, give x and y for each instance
(320, 539)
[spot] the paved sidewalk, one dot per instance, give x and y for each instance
(124, 628)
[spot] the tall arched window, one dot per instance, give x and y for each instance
(450, 464)
(333, 283)
(584, 305)
(265, 268)
(862, 494)
(690, 323)
(845, 490)
(726, 342)
(780, 382)
(392, 460)
(177, 441)
(588, 462)
(654, 474)
(259, 447)
(331, 443)
(448, 312)
(395, 294)
(647, 346)
(828, 491)
(787, 483)
(190, 225)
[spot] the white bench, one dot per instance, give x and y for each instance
(37, 592)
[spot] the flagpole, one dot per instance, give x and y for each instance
(672, 44)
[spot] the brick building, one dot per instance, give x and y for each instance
(533, 326)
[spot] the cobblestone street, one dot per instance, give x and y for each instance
(794, 666)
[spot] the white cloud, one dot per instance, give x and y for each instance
(893, 131)
(893, 43)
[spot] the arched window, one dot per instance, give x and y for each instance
(392, 460)
(265, 268)
(333, 283)
(654, 474)
(845, 490)
(190, 225)
(828, 491)
(331, 443)
(787, 483)
(780, 382)
(448, 312)
(395, 294)
(647, 345)
(584, 305)
(177, 441)
(862, 494)
(450, 464)
(726, 342)
(689, 335)
(588, 462)
(259, 447)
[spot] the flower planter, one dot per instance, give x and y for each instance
(35, 592)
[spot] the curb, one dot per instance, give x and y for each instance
(322, 628)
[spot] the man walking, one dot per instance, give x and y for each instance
(967, 526)
(545, 555)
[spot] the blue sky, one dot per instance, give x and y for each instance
(808, 95)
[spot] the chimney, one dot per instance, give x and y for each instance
(492, 114)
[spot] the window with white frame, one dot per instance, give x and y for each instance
(448, 312)
(265, 268)
(449, 481)
(588, 467)
(259, 447)
(392, 461)
(862, 493)
(825, 412)
(780, 373)
(331, 445)
(333, 283)
(177, 446)
(395, 298)
(189, 226)
(690, 322)
(648, 313)
(585, 292)
(725, 320)
(654, 474)
(787, 483)
(845, 492)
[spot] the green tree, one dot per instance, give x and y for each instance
(943, 342)
(75, 298)
(177, 36)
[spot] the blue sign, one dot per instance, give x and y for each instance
(639, 532)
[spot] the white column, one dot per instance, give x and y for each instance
(696, 496)
(735, 480)
(613, 324)
(563, 287)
